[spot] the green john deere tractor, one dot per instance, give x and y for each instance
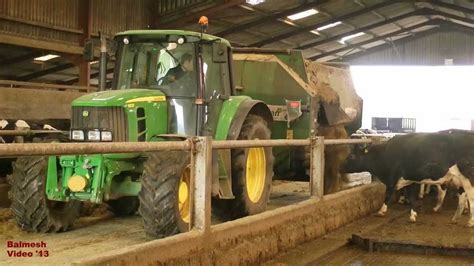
(172, 85)
(149, 105)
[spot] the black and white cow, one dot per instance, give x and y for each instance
(429, 158)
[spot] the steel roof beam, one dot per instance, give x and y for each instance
(345, 22)
(21, 58)
(382, 46)
(329, 21)
(452, 16)
(354, 14)
(402, 41)
(376, 13)
(419, 12)
(271, 17)
(453, 7)
(45, 72)
(187, 16)
(381, 37)
(92, 76)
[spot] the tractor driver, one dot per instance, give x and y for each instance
(182, 70)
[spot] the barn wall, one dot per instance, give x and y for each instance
(167, 6)
(427, 50)
(111, 17)
(44, 19)
(59, 21)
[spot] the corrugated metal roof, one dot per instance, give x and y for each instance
(263, 25)
(428, 50)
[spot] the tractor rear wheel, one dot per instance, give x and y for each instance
(124, 206)
(252, 171)
(164, 195)
(33, 211)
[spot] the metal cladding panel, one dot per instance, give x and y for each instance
(34, 32)
(61, 13)
(432, 49)
(58, 20)
(45, 19)
(167, 6)
(111, 17)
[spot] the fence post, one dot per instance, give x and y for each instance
(201, 187)
(317, 167)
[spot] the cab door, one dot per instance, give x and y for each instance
(216, 76)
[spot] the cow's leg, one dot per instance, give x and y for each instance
(421, 193)
(470, 196)
(428, 189)
(402, 199)
(466, 207)
(403, 196)
(462, 199)
(441, 195)
(388, 195)
(414, 203)
(401, 185)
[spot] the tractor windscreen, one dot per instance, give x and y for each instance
(149, 64)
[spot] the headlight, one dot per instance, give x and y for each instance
(93, 135)
(106, 136)
(77, 135)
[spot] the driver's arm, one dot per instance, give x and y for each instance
(170, 76)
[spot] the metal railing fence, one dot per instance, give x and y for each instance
(201, 161)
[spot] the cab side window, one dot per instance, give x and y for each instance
(216, 75)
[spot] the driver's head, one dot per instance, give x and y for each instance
(187, 62)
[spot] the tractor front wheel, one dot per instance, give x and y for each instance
(33, 211)
(165, 193)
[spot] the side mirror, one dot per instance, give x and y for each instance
(219, 52)
(88, 53)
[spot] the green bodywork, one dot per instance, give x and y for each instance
(282, 76)
(184, 33)
(111, 176)
(103, 171)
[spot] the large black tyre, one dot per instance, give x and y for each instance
(29, 203)
(124, 206)
(164, 195)
(251, 189)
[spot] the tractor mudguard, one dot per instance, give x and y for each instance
(233, 113)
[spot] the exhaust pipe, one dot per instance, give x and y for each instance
(102, 62)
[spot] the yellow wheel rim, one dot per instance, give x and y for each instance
(256, 173)
(183, 194)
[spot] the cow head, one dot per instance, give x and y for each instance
(362, 158)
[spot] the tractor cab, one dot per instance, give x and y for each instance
(189, 69)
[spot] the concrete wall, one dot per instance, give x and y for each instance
(253, 239)
(31, 104)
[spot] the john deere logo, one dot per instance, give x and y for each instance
(85, 113)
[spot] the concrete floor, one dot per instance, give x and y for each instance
(431, 228)
(103, 232)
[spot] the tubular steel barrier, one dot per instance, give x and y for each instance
(201, 161)
(29, 132)
(43, 86)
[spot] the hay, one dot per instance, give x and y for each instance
(319, 81)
